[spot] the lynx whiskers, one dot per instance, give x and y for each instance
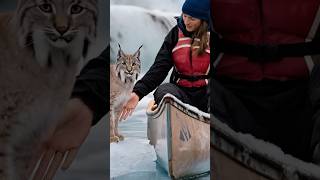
(41, 45)
(63, 24)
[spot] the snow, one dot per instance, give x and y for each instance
(270, 151)
(188, 106)
(132, 23)
(134, 158)
(141, 153)
(132, 26)
(163, 5)
(134, 154)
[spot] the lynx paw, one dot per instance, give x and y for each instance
(114, 139)
(121, 138)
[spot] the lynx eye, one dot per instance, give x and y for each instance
(124, 63)
(133, 64)
(76, 9)
(46, 7)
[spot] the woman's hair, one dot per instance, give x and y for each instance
(201, 34)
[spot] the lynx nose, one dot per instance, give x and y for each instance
(129, 69)
(62, 29)
(61, 24)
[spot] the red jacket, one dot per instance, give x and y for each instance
(195, 66)
(265, 22)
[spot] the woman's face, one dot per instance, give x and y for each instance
(192, 24)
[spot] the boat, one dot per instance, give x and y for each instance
(180, 135)
(242, 156)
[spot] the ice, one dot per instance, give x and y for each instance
(134, 155)
(163, 5)
(132, 23)
(134, 158)
(188, 106)
(132, 26)
(131, 156)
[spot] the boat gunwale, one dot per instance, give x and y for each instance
(169, 99)
(282, 172)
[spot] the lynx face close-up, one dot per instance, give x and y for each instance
(41, 45)
(64, 24)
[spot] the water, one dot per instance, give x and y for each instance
(134, 158)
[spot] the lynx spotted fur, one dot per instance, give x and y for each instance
(41, 44)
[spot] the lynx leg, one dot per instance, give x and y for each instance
(113, 137)
(117, 119)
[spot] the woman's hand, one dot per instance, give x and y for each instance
(129, 107)
(65, 141)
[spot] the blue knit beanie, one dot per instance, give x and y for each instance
(197, 8)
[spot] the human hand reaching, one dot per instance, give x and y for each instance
(130, 106)
(65, 141)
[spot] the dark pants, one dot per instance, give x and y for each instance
(278, 112)
(194, 96)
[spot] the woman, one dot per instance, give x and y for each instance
(267, 71)
(189, 79)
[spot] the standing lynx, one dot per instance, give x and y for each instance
(41, 44)
(123, 75)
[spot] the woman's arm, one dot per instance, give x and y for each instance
(160, 68)
(92, 85)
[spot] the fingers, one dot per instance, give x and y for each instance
(130, 112)
(45, 161)
(155, 106)
(129, 107)
(34, 163)
(55, 164)
(121, 115)
(126, 113)
(51, 161)
(69, 158)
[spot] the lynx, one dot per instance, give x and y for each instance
(123, 75)
(41, 44)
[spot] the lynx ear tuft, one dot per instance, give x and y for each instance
(137, 53)
(120, 52)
